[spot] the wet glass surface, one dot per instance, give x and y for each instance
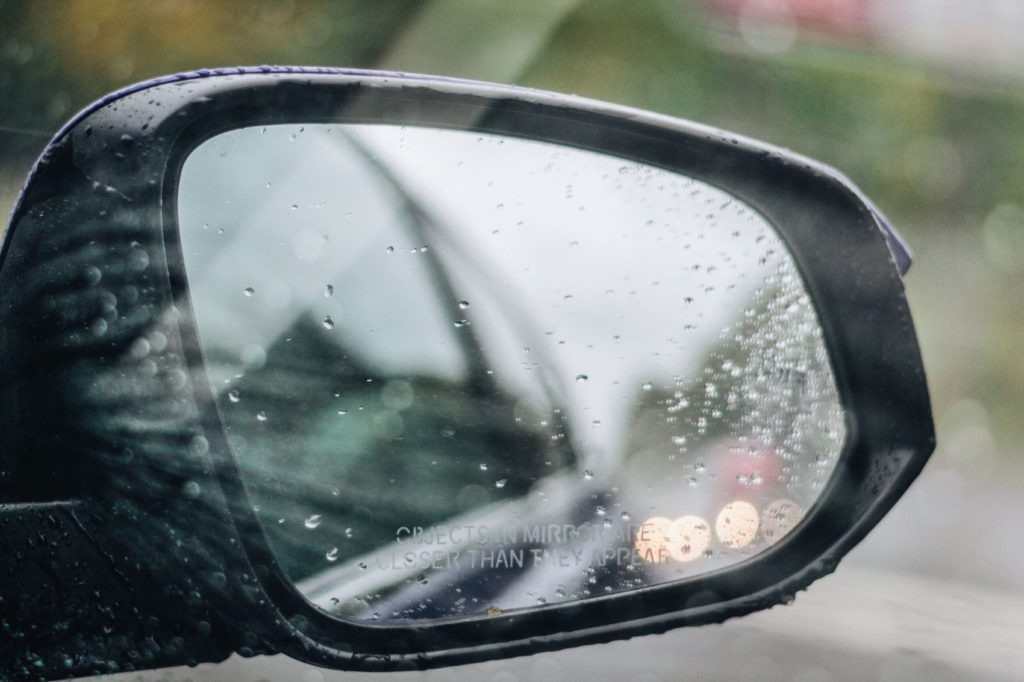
(463, 373)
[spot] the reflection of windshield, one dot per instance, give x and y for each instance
(389, 312)
(575, 235)
(331, 353)
(240, 244)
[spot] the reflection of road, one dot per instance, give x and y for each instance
(932, 594)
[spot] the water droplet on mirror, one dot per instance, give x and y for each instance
(328, 323)
(140, 348)
(342, 412)
(500, 483)
(600, 511)
(582, 377)
(328, 291)
(234, 396)
(463, 304)
(349, 533)
(588, 474)
(461, 323)
(261, 416)
(313, 521)
(332, 554)
(390, 249)
(647, 386)
(483, 466)
(678, 440)
(625, 516)
(249, 291)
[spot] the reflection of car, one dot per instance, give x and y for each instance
(439, 449)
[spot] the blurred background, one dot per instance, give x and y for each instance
(920, 102)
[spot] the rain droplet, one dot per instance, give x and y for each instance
(463, 304)
(500, 483)
(93, 275)
(234, 396)
(647, 386)
(328, 323)
(332, 554)
(348, 533)
(599, 510)
(249, 291)
(625, 516)
(328, 291)
(588, 474)
(461, 323)
(483, 466)
(342, 412)
(581, 377)
(261, 416)
(678, 440)
(390, 249)
(313, 521)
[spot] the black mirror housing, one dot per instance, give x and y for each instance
(129, 537)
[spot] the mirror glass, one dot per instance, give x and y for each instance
(464, 373)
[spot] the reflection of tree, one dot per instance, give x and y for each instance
(406, 451)
(764, 393)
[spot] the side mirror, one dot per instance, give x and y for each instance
(387, 371)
